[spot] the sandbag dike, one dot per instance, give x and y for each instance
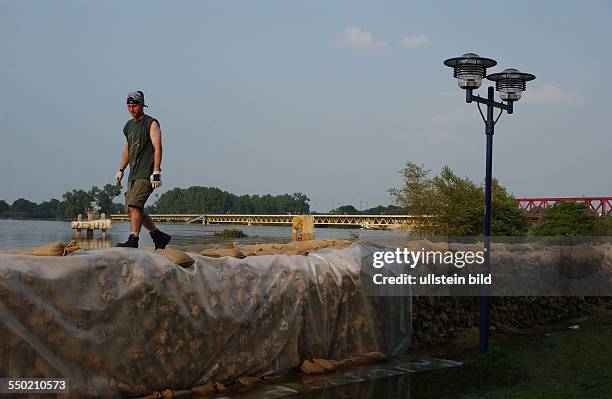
(123, 322)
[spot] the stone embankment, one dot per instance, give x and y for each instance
(437, 320)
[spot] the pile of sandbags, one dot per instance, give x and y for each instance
(179, 257)
(292, 248)
(123, 322)
(308, 367)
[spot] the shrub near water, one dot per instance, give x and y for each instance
(570, 219)
(457, 204)
(230, 233)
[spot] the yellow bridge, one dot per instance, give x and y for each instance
(367, 221)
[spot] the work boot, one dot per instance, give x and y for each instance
(160, 238)
(132, 242)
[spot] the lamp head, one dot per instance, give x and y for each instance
(510, 83)
(470, 69)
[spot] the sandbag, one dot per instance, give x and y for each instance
(12, 251)
(291, 248)
(53, 249)
(219, 253)
(314, 245)
(179, 257)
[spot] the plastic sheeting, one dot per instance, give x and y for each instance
(128, 322)
(355, 383)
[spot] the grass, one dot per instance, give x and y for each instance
(560, 364)
(555, 363)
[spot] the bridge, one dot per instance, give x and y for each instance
(533, 207)
(367, 221)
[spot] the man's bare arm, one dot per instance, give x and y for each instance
(124, 158)
(157, 145)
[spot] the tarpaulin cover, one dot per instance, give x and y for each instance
(127, 322)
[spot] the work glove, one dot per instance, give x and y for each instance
(118, 176)
(156, 179)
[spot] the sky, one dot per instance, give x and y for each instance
(330, 99)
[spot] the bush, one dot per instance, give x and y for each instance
(457, 204)
(568, 219)
(606, 226)
(230, 233)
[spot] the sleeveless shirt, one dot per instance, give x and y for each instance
(140, 147)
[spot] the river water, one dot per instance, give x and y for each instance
(17, 234)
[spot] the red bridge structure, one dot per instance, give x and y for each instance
(534, 207)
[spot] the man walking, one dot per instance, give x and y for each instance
(143, 152)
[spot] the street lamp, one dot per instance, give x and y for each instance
(470, 69)
(510, 83)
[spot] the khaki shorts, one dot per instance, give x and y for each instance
(138, 192)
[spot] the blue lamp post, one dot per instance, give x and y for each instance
(470, 69)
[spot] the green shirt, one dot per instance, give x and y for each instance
(140, 147)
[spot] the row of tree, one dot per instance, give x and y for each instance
(457, 203)
(198, 199)
(458, 206)
(72, 203)
(194, 199)
(377, 210)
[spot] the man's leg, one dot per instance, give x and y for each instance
(136, 197)
(136, 219)
(147, 222)
(160, 238)
(135, 225)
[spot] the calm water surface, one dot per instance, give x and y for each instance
(31, 233)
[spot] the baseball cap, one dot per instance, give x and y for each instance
(136, 97)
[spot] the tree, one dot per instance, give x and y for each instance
(605, 226)
(567, 219)
(103, 198)
(415, 195)
(507, 219)
(46, 210)
(74, 202)
(4, 207)
(456, 204)
(22, 208)
(119, 208)
(345, 210)
(194, 199)
(385, 210)
(197, 199)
